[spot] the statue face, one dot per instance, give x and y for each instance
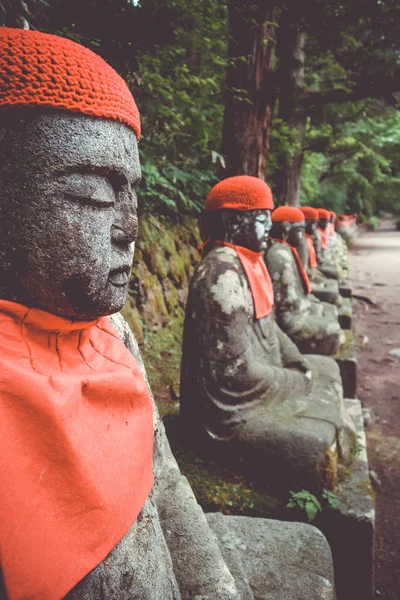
(311, 226)
(323, 223)
(248, 228)
(296, 233)
(68, 214)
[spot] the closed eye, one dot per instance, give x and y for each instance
(94, 202)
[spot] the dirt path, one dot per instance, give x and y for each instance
(375, 272)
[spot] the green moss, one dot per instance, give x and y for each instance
(218, 488)
(347, 350)
(132, 317)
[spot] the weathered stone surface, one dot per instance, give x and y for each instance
(346, 314)
(280, 563)
(307, 321)
(244, 392)
(329, 270)
(350, 530)
(346, 359)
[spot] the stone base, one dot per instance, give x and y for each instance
(350, 530)
(346, 314)
(346, 358)
(345, 289)
(271, 560)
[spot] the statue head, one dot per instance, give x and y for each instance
(324, 218)
(238, 211)
(288, 224)
(332, 216)
(69, 165)
(311, 218)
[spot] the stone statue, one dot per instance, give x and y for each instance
(313, 325)
(317, 233)
(93, 504)
(247, 394)
(323, 288)
(336, 248)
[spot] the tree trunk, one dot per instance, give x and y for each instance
(291, 77)
(250, 94)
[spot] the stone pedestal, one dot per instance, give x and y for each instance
(275, 561)
(350, 530)
(346, 359)
(346, 314)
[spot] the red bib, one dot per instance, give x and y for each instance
(311, 251)
(300, 266)
(258, 277)
(324, 236)
(76, 444)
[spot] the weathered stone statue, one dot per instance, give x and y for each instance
(311, 324)
(92, 503)
(329, 270)
(247, 393)
(336, 248)
(323, 288)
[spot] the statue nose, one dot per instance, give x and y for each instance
(124, 228)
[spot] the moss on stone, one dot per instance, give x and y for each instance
(218, 488)
(132, 317)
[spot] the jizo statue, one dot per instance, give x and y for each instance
(322, 287)
(92, 502)
(247, 394)
(313, 325)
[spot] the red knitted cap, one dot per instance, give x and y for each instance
(323, 213)
(39, 69)
(287, 213)
(241, 192)
(309, 212)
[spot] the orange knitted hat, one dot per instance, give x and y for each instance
(287, 213)
(323, 213)
(241, 192)
(38, 69)
(309, 212)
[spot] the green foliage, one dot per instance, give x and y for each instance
(305, 501)
(359, 169)
(311, 505)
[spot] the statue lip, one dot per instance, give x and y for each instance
(120, 276)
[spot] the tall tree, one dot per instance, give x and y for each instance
(250, 83)
(291, 52)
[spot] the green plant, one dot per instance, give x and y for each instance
(311, 505)
(306, 501)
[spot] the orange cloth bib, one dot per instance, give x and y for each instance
(300, 266)
(324, 236)
(312, 257)
(76, 444)
(258, 277)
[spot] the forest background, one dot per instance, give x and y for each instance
(303, 94)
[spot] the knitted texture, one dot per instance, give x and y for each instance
(287, 213)
(310, 213)
(323, 213)
(39, 69)
(240, 193)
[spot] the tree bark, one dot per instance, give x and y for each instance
(251, 87)
(291, 79)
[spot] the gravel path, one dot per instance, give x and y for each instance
(375, 273)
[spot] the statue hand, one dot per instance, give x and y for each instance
(301, 365)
